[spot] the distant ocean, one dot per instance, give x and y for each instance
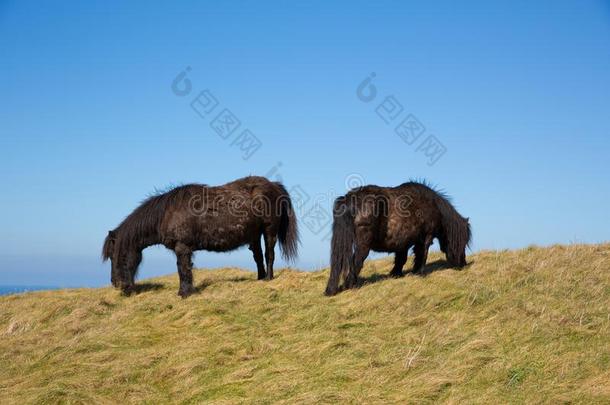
(15, 289)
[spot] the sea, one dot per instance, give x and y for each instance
(16, 289)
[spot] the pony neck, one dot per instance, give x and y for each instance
(141, 242)
(148, 241)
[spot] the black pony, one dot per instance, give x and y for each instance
(198, 217)
(393, 219)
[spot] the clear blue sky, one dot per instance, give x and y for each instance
(518, 92)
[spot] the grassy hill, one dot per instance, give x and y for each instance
(530, 325)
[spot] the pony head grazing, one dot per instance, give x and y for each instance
(454, 235)
(124, 262)
(123, 245)
(454, 239)
(108, 250)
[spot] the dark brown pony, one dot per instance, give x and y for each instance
(393, 219)
(199, 217)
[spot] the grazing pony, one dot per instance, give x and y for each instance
(199, 217)
(393, 219)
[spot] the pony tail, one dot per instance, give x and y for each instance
(288, 234)
(342, 244)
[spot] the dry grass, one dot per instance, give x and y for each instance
(516, 326)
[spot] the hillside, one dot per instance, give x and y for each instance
(526, 325)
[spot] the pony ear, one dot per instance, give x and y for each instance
(468, 219)
(112, 234)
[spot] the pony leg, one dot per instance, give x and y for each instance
(421, 255)
(363, 243)
(400, 258)
(257, 252)
(360, 256)
(184, 255)
(270, 240)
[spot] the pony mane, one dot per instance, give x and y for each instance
(431, 187)
(455, 226)
(145, 220)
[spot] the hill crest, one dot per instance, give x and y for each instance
(530, 324)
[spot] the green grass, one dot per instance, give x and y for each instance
(531, 325)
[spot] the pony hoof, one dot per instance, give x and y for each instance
(330, 293)
(127, 290)
(397, 275)
(184, 293)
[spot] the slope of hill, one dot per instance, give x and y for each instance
(526, 325)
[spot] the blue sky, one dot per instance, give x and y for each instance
(517, 93)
